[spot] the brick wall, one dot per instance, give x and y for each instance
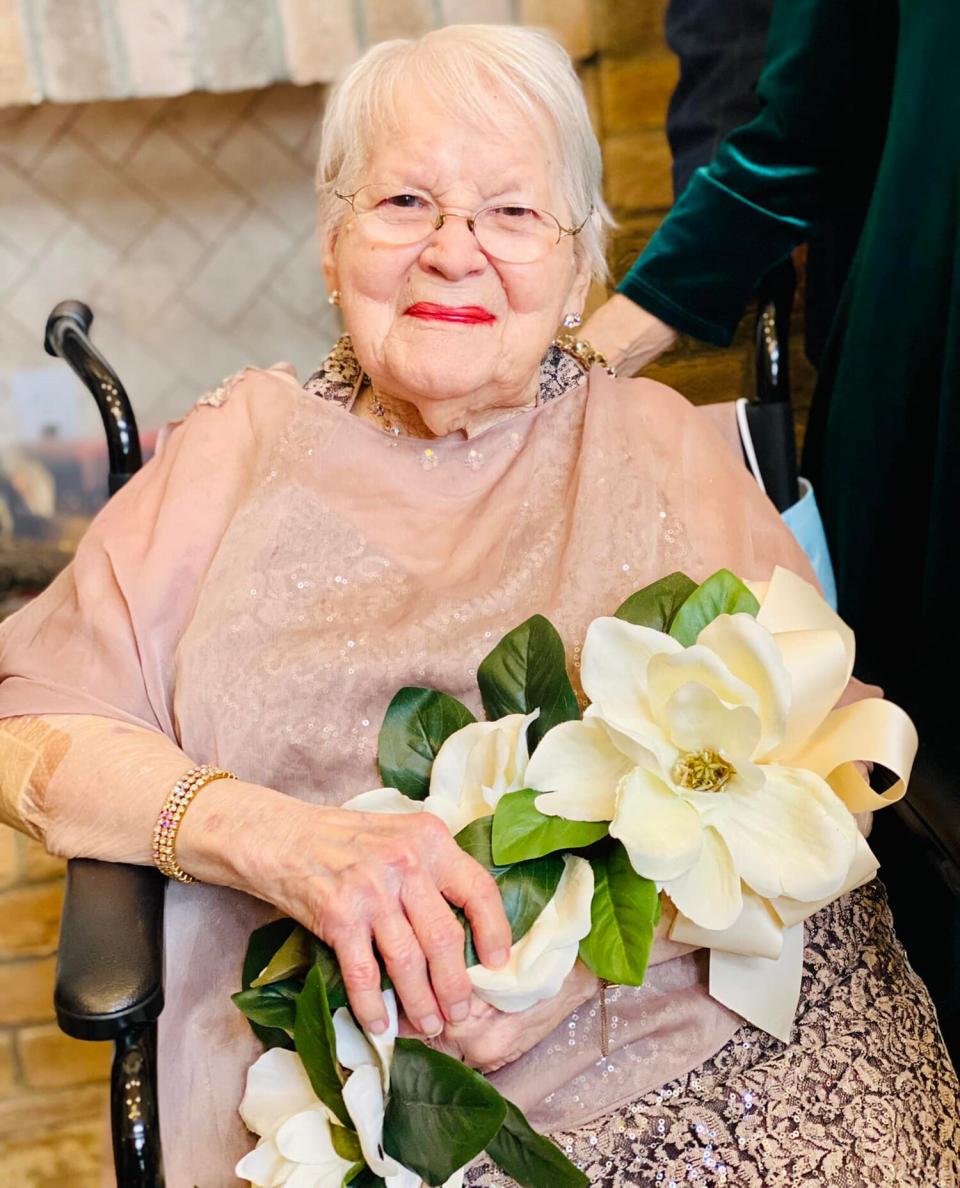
(44, 1075)
(202, 267)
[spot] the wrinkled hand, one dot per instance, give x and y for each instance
(488, 1039)
(627, 335)
(362, 879)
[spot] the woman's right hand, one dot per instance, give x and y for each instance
(627, 335)
(357, 880)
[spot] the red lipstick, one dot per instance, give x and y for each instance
(466, 315)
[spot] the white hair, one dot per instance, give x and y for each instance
(457, 63)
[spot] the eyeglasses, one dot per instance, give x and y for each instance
(402, 217)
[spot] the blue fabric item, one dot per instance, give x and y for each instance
(803, 520)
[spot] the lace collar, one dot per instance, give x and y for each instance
(340, 375)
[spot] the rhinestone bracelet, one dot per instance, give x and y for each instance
(168, 822)
(584, 352)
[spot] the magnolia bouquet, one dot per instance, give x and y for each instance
(711, 769)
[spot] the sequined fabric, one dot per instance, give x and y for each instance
(339, 375)
(864, 1094)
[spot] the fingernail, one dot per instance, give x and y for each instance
(431, 1025)
(460, 1010)
(499, 957)
(378, 1026)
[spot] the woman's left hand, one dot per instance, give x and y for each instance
(488, 1039)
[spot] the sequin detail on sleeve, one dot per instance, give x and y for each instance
(217, 396)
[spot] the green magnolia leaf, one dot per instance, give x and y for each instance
(326, 960)
(360, 1176)
(273, 1006)
(416, 724)
(656, 605)
(525, 671)
(532, 1160)
(263, 944)
(721, 594)
(261, 947)
(521, 831)
(316, 1044)
(292, 959)
(440, 1113)
(623, 917)
(346, 1143)
(525, 887)
(476, 839)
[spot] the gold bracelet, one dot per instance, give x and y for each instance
(584, 352)
(168, 822)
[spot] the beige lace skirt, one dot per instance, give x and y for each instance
(865, 1094)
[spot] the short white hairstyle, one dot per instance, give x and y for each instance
(457, 64)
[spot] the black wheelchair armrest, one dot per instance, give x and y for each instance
(931, 808)
(110, 961)
(918, 844)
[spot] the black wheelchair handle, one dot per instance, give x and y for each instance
(772, 334)
(62, 317)
(67, 337)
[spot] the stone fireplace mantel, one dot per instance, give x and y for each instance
(76, 51)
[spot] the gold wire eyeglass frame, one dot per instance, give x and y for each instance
(443, 215)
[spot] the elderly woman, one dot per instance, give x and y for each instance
(293, 555)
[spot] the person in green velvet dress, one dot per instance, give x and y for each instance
(883, 445)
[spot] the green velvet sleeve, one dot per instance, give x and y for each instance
(763, 193)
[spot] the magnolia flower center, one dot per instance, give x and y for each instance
(702, 771)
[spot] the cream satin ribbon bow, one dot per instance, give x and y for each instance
(756, 964)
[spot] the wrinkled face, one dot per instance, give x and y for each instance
(397, 300)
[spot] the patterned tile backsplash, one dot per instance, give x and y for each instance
(187, 224)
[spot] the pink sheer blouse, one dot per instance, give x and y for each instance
(253, 599)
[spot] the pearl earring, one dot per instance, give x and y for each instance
(572, 321)
(334, 298)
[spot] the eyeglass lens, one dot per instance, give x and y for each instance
(512, 233)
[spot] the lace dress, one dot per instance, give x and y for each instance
(864, 1094)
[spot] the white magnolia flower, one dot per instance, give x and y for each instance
(694, 755)
(474, 767)
(296, 1141)
(477, 765)
(543, 957)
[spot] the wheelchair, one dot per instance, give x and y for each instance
(109, 980)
